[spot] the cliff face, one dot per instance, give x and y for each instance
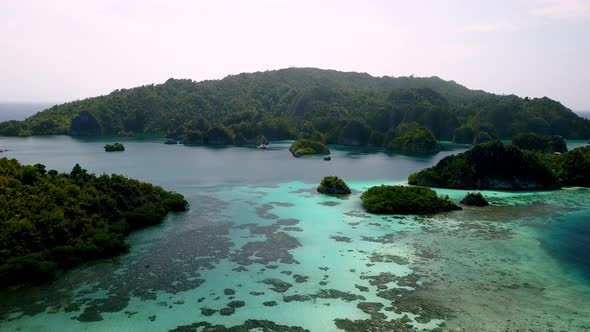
(85, 124)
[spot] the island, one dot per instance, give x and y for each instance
(414, 139)
(333, 185)
(329, 106)
(498, 166)
(540, 143)
(474, 199)
(386, 199)
(75, 217)
(114, 147)
(303, 146)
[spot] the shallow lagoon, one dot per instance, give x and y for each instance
(259, 243)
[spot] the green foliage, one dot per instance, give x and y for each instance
(494, 165)
(376, 138)
(51, 221)
(306, 103)
(413, 138)
(354, 133)
(333, 185)
(405, 200)
(474, 199)
(193, 137)
(572, 168)
(423, 106)
(482, 137)
(304, 146)
(114, 147)
(15, 128)
(84, 124)
(219, 135)
(540, 143)
(464, 135)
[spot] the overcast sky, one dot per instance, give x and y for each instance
(61, 50)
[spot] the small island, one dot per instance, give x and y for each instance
(474, 199)
(114, 147)
(303, 146)
(498, 166)
(414, 139)
(333, 185)
(405, 200)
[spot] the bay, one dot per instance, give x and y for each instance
(260, 244)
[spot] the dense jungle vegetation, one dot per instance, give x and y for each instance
(323, 105)
(333, 185)
(51, 221)
(385, 199)
(494, 165)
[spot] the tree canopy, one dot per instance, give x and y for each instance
(51, 221)
(114, 147)
(325, 105)
(405, 200)
(412, 138)
(333, 185)
(540, 143)
(302, 147)
(494, 165)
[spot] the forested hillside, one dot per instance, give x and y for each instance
(336, 107)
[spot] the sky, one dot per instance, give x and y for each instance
(62, 50)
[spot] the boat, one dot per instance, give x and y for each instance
(262, 142)
(327, 158)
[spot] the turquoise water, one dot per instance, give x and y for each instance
(260, 244)
(568, 239)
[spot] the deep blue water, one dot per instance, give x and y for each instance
(568, 239)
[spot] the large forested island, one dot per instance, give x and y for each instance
(51, 221)
(323, 105)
